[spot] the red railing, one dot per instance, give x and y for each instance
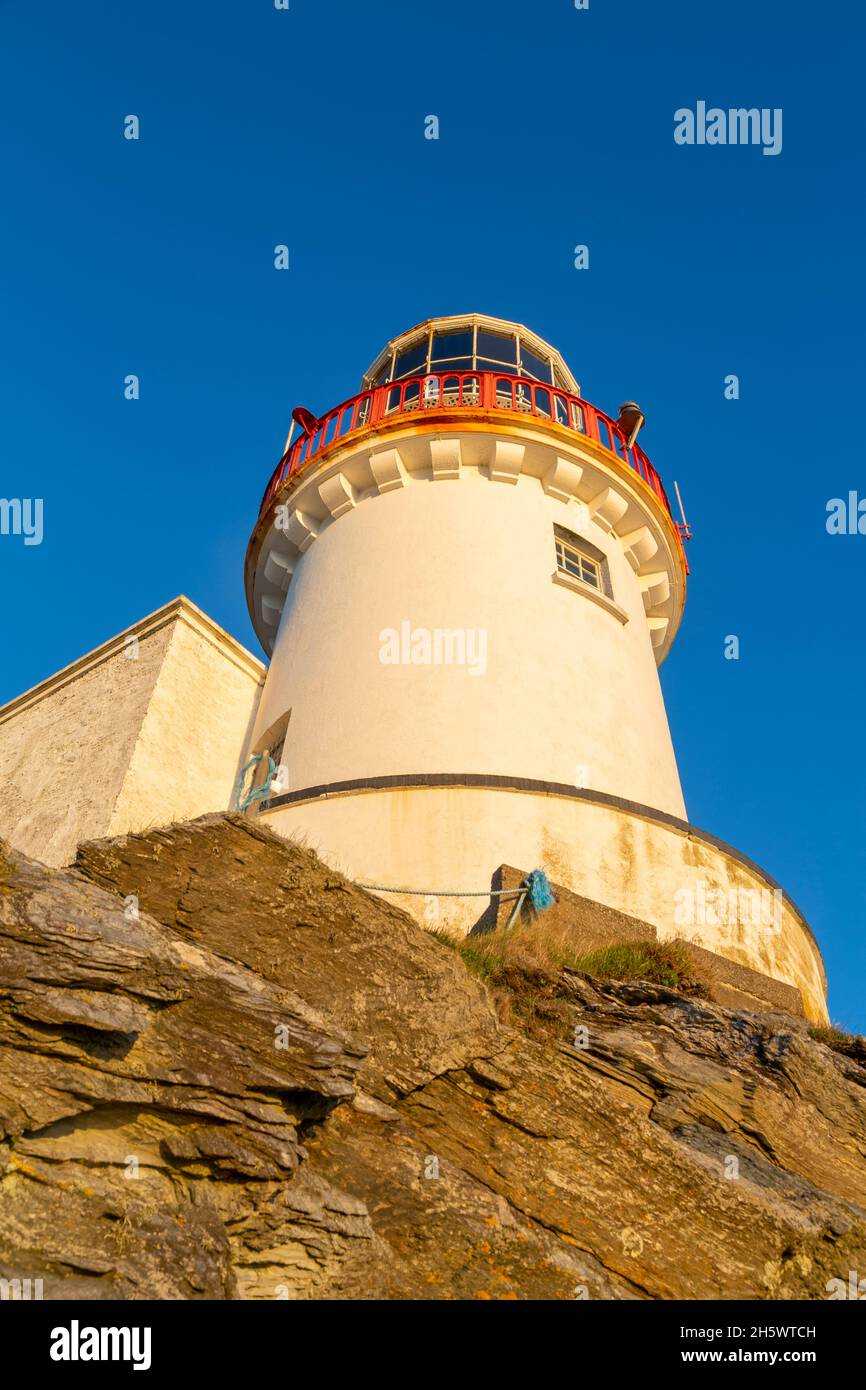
(476, 390)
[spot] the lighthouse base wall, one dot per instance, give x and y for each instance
(592, 927)
(446, 839)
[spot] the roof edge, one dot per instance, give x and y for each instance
(178, 609)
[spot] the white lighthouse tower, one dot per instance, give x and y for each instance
(466, 577)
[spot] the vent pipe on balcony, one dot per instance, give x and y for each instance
(631, 420)
(306, 419)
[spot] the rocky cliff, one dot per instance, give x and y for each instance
(226, 1072)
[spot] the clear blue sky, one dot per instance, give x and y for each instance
(305, 127)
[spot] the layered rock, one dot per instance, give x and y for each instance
(225, 1071)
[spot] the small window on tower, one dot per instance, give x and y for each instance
(572, 561)
(577, 558)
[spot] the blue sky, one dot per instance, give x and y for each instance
(306, 127)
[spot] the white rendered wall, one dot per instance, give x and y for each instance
(452, 528)
(567, 685)
(147, 729)
(455, 838)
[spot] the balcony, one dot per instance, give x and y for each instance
(454, 391)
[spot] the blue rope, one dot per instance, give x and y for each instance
(540, 892)
(255, 793)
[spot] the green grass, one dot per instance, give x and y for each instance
(849, 1044)
(522, 968)
(528, 948)
(658, 962)
(531, 949)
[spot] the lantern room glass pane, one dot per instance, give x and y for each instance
(447, 346)
(453, 364)
(531, 365)
(497, 347)
(412, 360)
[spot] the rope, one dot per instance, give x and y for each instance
(432, 892)
(540, 892)
(535, 886)
(255, 793)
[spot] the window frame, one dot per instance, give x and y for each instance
(566, 554)
(587, 552)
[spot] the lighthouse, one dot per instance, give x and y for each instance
(466, 577)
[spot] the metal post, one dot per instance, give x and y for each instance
(517, 908)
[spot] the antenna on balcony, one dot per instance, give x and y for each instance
(631, 420)
(685, 530)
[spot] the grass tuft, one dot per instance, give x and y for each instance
(659, 962)
(531, 947)
(849, 1044)
(522, 968)
(535, 947)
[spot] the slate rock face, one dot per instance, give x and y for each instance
(226, 1072)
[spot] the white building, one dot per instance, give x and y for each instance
(465, 578)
